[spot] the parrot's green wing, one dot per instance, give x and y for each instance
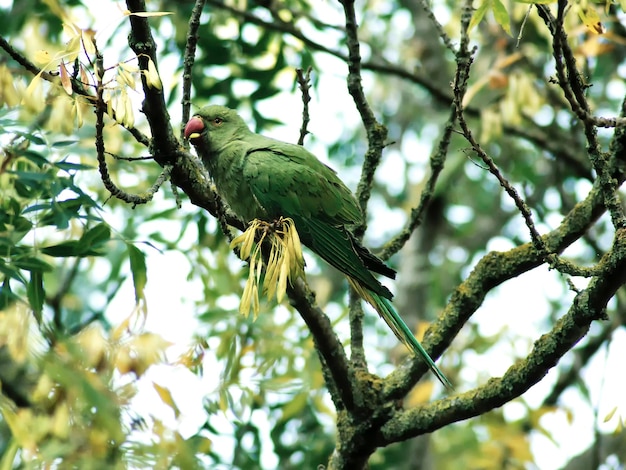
(288, 177)
(288, 181)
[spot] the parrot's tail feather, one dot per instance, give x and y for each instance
(388, 313)
(371, 261)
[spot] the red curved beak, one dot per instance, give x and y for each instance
(193, 128)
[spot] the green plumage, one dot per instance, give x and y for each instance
(266, 179)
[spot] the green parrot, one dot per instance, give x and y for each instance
(262, 178)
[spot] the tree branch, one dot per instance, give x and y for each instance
(491, 271)
(437, 161)
(376, 132)
(188, 60)
(588, 306)
(304, 83)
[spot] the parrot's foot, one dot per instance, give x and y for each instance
(275, 226)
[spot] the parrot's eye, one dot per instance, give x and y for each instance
(217, 121)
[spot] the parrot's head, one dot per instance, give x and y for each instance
(214, 126)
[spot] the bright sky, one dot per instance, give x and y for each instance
(508, 308)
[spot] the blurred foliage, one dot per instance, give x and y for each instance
(70, 367)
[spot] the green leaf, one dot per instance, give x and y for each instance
(30, 176)
(69, 248)
(90, 244)
(138, 269)
(6, 461)
(37, 207)
(35, 157)
(499, 12)
(264, 92)
(479, 14)
(7, 297)
(97, 236)
(73, 166)
(14, 229)
(35, 139)
(36, 294)
(64, 143)
(502, 16)
(32, 263)
(11, 272)
(62, 212)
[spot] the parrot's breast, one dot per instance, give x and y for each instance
(226, 170)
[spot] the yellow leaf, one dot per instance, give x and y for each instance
(77, 113)
(129, 114)
(591, 19)
(118, 109)
(246, 297)
(71, 30)
(8, 92)
(282, 278)
(130, 68)
(610, 414)
(120, 330)
(166, 397)
(594, 46)
(42, 57)
(88, 38)
(60, 425)
(152, 76)
(125, 78)
(83, 75)
(66, 82)
(72, 49)
(93, 344)
(150, 346)
(124, 363)
(223, 400)
(256, 307)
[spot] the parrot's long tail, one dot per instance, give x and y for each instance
(403, 333)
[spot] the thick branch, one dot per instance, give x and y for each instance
(588, 306)
(164, 144)
(492, 270)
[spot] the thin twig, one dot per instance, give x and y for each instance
(437, 161)
(304, 82)
(376, 132)
(464, 63)
(101, 151)
(426, 5)
(189, 58)
(570, 81)
(130, 159)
